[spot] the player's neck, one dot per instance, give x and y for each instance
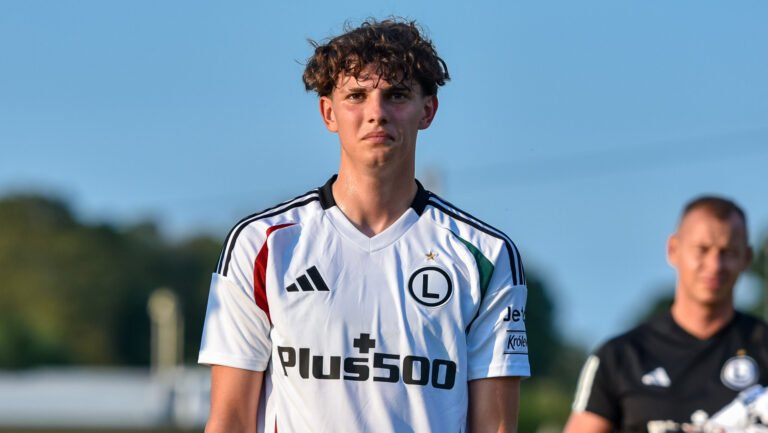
(373, 203)
(701, 321)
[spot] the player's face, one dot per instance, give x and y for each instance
(709, 255)
(377, 121)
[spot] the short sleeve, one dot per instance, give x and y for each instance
(497, 341)
(236, 329)
(594, 393)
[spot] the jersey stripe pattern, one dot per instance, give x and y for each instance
(366, 334)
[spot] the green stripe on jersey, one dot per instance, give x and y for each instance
(483, 265)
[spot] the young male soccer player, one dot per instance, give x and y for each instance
(677, 371)
(368, 304)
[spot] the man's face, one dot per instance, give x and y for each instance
(709, 254)
(377, 121)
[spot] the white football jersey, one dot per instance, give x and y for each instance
(360, 334)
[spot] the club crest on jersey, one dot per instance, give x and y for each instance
(739, 372)
(430, 286)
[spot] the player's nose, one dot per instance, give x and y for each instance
(715, 261)
(376, 110)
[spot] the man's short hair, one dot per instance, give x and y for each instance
(396, 49)
(719, 207)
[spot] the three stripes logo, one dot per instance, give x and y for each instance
(304, 284)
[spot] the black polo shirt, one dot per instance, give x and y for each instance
(659, 373)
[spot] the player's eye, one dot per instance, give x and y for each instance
(357, 96)
(399, 95)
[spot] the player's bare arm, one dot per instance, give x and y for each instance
(493, 404)
(587, 422)
(234, 400)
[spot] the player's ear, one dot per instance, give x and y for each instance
(673, 243)
(430, 108)
(329, 117)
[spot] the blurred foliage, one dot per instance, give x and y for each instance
(543, 402)
(76, 293)
(555, 365)
(760, 269)
(760, 262)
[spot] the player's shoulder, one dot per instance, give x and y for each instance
(636, 338)
(485, 238)
(461, 222)
(447, 213)
(751, 325)
(253, 229)
(749, 321)
(290, 211)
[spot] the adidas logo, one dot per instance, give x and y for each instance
(657, 377)
(306, 286)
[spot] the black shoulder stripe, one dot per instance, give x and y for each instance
(326, 193)
(229, 243)
(467, 215)
(253, 217)
(466, 330)
(421, 199)
(515, 262)
(502, 235)
(236, 233)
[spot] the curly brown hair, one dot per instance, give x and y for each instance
(395, 48)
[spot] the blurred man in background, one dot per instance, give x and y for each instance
(686, 369)
(368, 304)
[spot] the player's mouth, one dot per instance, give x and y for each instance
(378, 137)
(713, 283)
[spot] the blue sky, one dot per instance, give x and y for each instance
(579, 128)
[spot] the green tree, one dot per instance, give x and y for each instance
(76, 293)
(555, 365)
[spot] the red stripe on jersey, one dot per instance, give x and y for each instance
(260, 273)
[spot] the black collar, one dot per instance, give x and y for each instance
(418, 204)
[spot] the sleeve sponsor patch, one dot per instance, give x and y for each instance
(516, 342)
